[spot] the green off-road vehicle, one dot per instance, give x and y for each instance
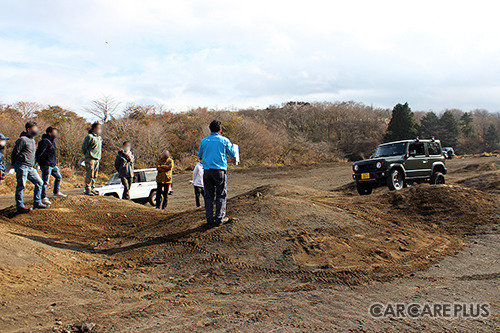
(398, 164)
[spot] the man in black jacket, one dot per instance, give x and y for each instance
(124, 164)
(23, 158)
(46, 156)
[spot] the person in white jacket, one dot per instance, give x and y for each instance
(198, 183)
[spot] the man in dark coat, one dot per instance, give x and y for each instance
(124, 164)
(46, 156)
(23, 158)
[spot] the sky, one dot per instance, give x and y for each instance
(236, 54)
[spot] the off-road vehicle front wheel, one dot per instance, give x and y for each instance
(364, 188)
(395, 180)
(437, 178)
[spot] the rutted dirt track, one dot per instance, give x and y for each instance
(303, 254)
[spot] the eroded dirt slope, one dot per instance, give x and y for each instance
(105, 258)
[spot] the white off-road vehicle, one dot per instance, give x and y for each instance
(143, 189)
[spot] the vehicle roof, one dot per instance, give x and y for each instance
(409, 140)
(148, 169)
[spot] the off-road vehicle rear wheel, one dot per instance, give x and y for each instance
(364, 189)
(437, 178)
(395, 180)
(152, 198)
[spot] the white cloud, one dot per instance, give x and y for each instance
(216, 53)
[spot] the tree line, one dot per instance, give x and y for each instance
(291, 133)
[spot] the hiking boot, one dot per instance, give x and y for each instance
(46, 201)
(90, 194)
(60, 195)
(41, 206)
(23, 210)
(95, 192)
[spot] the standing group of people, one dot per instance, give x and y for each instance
(124, 165)
(209, 175)
(24, 156)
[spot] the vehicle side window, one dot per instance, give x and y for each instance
(434, 148)
(137, 177)
(418, 148)
(150, 175)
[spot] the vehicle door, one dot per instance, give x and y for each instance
(150, 179)
(137, 189)
(417, 163)
(435, 154)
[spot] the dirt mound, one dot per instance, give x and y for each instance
(487, 182)
(455, 209)
(491, 166)
(90, 220)
(282, 237)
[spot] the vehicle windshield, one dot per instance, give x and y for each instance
(114, 180)
(390, 149)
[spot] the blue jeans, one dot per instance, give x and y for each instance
(23, 173)
(48, 171)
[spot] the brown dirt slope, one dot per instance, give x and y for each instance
(302, 236)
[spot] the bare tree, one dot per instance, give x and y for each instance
(28, 109)
(103, 108)
(138, 111)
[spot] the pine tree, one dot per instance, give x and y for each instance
(491, 138)
(402, 125)
(429, 126)
(466, 125)
(449, 129)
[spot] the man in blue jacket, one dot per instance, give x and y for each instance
(46, 156)
(213, 151)
(3, 143)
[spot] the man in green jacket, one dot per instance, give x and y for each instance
(91, 148)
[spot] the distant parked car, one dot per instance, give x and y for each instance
(143, 189)
(448, 152)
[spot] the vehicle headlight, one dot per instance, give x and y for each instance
(379, 165)
(356, 167)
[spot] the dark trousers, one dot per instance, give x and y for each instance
(198, 190)
(162, 195)
(215, 182)
(126, 182)
(48, 171)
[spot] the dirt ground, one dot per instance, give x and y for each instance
(304, 253)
